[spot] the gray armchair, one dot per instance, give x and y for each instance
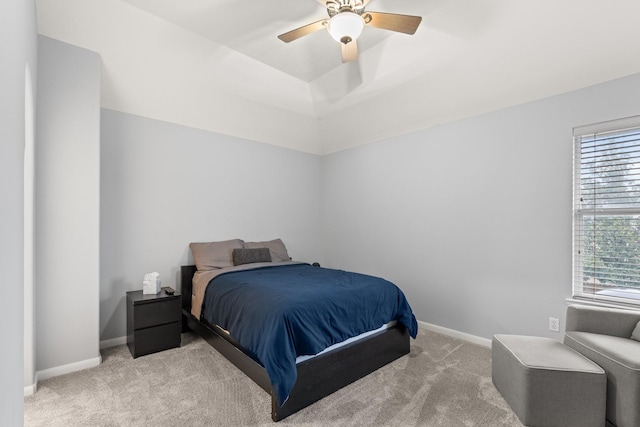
(604, 336)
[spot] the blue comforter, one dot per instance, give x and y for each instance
(280, 312)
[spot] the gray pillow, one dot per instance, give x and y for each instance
(635, 335)
(249, 256)
(276, 247)
(214, 255)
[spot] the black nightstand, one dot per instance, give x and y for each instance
(154, 322)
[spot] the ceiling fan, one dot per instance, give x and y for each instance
(347, 19)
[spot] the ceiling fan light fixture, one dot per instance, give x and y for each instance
(345, 25)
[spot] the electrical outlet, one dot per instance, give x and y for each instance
(554, 324)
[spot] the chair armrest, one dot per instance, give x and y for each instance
(600, 320)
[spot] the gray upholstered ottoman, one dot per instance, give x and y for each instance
(547, 383)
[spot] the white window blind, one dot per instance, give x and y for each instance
(606, 220)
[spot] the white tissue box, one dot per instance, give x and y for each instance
(151, 283)
(151, 287)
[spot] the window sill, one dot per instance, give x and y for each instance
(602, 303)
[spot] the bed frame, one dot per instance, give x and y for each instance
(317, 377)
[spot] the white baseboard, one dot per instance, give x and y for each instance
(428, 326)
(456, 334)
(72, 367)
(30, 389)
(113, 342)
(66, 369)
(61, 370)
(96, 361)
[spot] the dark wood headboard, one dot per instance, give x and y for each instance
(186, 285)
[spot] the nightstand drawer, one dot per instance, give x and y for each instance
(156, 313)
(157, 338)
(154, 322)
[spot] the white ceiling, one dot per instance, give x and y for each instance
(251, 26)
(218, 65)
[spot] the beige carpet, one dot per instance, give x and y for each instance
(442, 382)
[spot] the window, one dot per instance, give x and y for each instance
(606, 212)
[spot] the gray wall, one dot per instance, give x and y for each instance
(164, 185)
(67, 205)
(472, 219)
(18, 48)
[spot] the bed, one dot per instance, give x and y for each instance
(314, 377)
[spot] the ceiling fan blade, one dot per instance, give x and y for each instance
(407, 24)
(349, 51)
(303, 31)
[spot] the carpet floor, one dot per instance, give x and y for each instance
(443, 381)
